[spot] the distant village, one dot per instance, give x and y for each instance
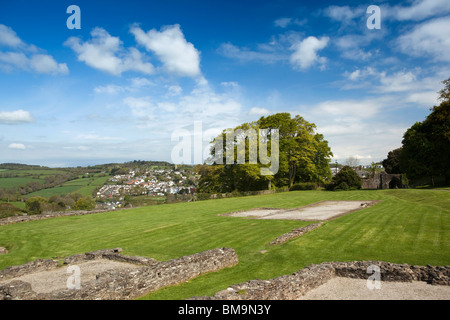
(151, 183)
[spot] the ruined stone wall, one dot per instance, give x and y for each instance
(380, 181)
(291, 287)
(43, 216)
(29, 267)
(295, 233)
(120, 285)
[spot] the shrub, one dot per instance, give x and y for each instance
(84, 204)
(8, 210)
(35, 205)
(345, 179)
(304, 186)
(342, 186)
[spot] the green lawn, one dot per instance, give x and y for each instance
(407, 226)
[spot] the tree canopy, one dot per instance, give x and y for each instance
(392, 163)
(346, 179)
(303, 155)
(426, 145)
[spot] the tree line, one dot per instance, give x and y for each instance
(425, 150)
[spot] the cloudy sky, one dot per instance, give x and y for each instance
(137, 74)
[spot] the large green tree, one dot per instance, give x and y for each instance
(303, 155)
(392, 163)
(426, 145)
(346, 179)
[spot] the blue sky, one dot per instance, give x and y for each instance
(138, 73)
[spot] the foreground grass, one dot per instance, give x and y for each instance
(407, 226)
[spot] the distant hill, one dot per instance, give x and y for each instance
(16, 166)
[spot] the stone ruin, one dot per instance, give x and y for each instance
(291, 287)
(295, 233)
(115, 284)
(383, 181)
(152, 275)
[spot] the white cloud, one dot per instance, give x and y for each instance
(400, 81)
(79, 148)
(168, 112)
(360, 74)
(96, 137)
(174, 90)
(353, 127)
(26, 57)
(142, 107)
(282, 22)
(305, 52)
(405, 81)
(349, 109)
(8, 37)
(170, 46)
(13, 60)
(285, 22)
(423, 98)
(135, 84)
(106, 53)
(245, 55)
(351, 46)
(419, 10)
(257, 111)
(15, 117)
(109, 89)
(230, 84)
(429, 39)
(343, 14)
(43, 63)
(17, 146)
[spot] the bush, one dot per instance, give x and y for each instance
(345, 179)
(342, 186)
(304, 186)
(84, 204)
(8, 210)
(35, 205)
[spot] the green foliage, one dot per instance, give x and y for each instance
(345, 179)
(303, 156)
(426, 146)
(392, 163)
(35, 205)
(84, 204)
(444, 94)
(342, 186)
(304, 186)
(8, 210)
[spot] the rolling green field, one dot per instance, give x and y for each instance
(8, 183)
(84, 186)
(407, 226)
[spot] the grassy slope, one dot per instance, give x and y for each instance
(9, 183)
(408, 226)
(74, 186)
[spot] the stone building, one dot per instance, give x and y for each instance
(383, 181)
